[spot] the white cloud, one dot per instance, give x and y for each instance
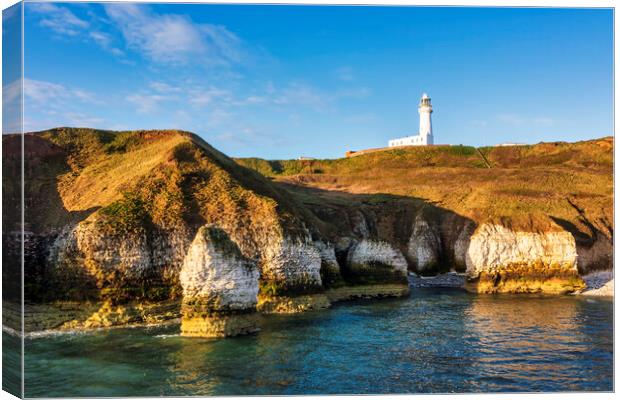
(163, 87)
(146, 103)
(173, 39)
(12, 91)
(254, 100)
(59, 19)
(61, 105)
(306, 95)
(301, 94)
(202, 97)
(219, 116)
(82, 120)
(101, 38)
(62, 21)
(42, 92)
(11, 107)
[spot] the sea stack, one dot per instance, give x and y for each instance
(220, 287)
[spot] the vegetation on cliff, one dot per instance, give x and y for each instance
(536, 188)
(120, 201)
(562, 180)
(110, 216)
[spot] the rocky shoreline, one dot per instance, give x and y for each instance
(599, 283)
(51, 319)
(151, 226)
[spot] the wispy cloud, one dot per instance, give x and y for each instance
(173, 39)
(345, 74)
(208, 96)
(63, 22)
(42, 92)
(59, 19)
(146, 103)
(106, 42)
(163, 87)
(11, 91)
(11, 106)
(82, 120)
(225, 98)
(61, 104)
(301, 94)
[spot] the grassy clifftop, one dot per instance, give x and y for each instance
(525, 186)
(112, 213)
(171, 176)
(165, 178)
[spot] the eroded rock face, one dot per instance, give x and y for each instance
(330, 270)
(461, 246)
(292, 304)
(106, 260)
(292, 265)
(359, 224)
(371, 261)
(219, 326)
(503, 260)
(596, 256)
(128, 255)
(220, 287)
(424, 246)
(115, 265)
(216, 274)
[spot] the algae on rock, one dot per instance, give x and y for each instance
(220, 287)
(501, 260)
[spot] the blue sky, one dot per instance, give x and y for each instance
(290, 81)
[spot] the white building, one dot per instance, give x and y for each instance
(425, 135)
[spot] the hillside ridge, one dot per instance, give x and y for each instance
(140, 219)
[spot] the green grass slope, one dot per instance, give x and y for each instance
(570, 183)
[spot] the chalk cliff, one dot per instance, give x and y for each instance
(503, 260)
(144, 226)
(220, 287)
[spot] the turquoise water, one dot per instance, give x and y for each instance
(437, 340)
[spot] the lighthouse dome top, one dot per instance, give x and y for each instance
(425, 96)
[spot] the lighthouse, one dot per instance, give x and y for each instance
(425, 134)
(425, 109)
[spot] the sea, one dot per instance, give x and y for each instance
(437, 340)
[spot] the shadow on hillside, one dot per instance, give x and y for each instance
(581, 238)
(594, 249)
(404, 221)
(44, 210)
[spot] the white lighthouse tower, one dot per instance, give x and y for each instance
(425, 109)
(425, 134)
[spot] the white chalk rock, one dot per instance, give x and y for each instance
(424, 245)
(494, 246)
(215, 271)
(292, 262)
(367, 255)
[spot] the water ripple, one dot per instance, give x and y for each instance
(436, 341)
